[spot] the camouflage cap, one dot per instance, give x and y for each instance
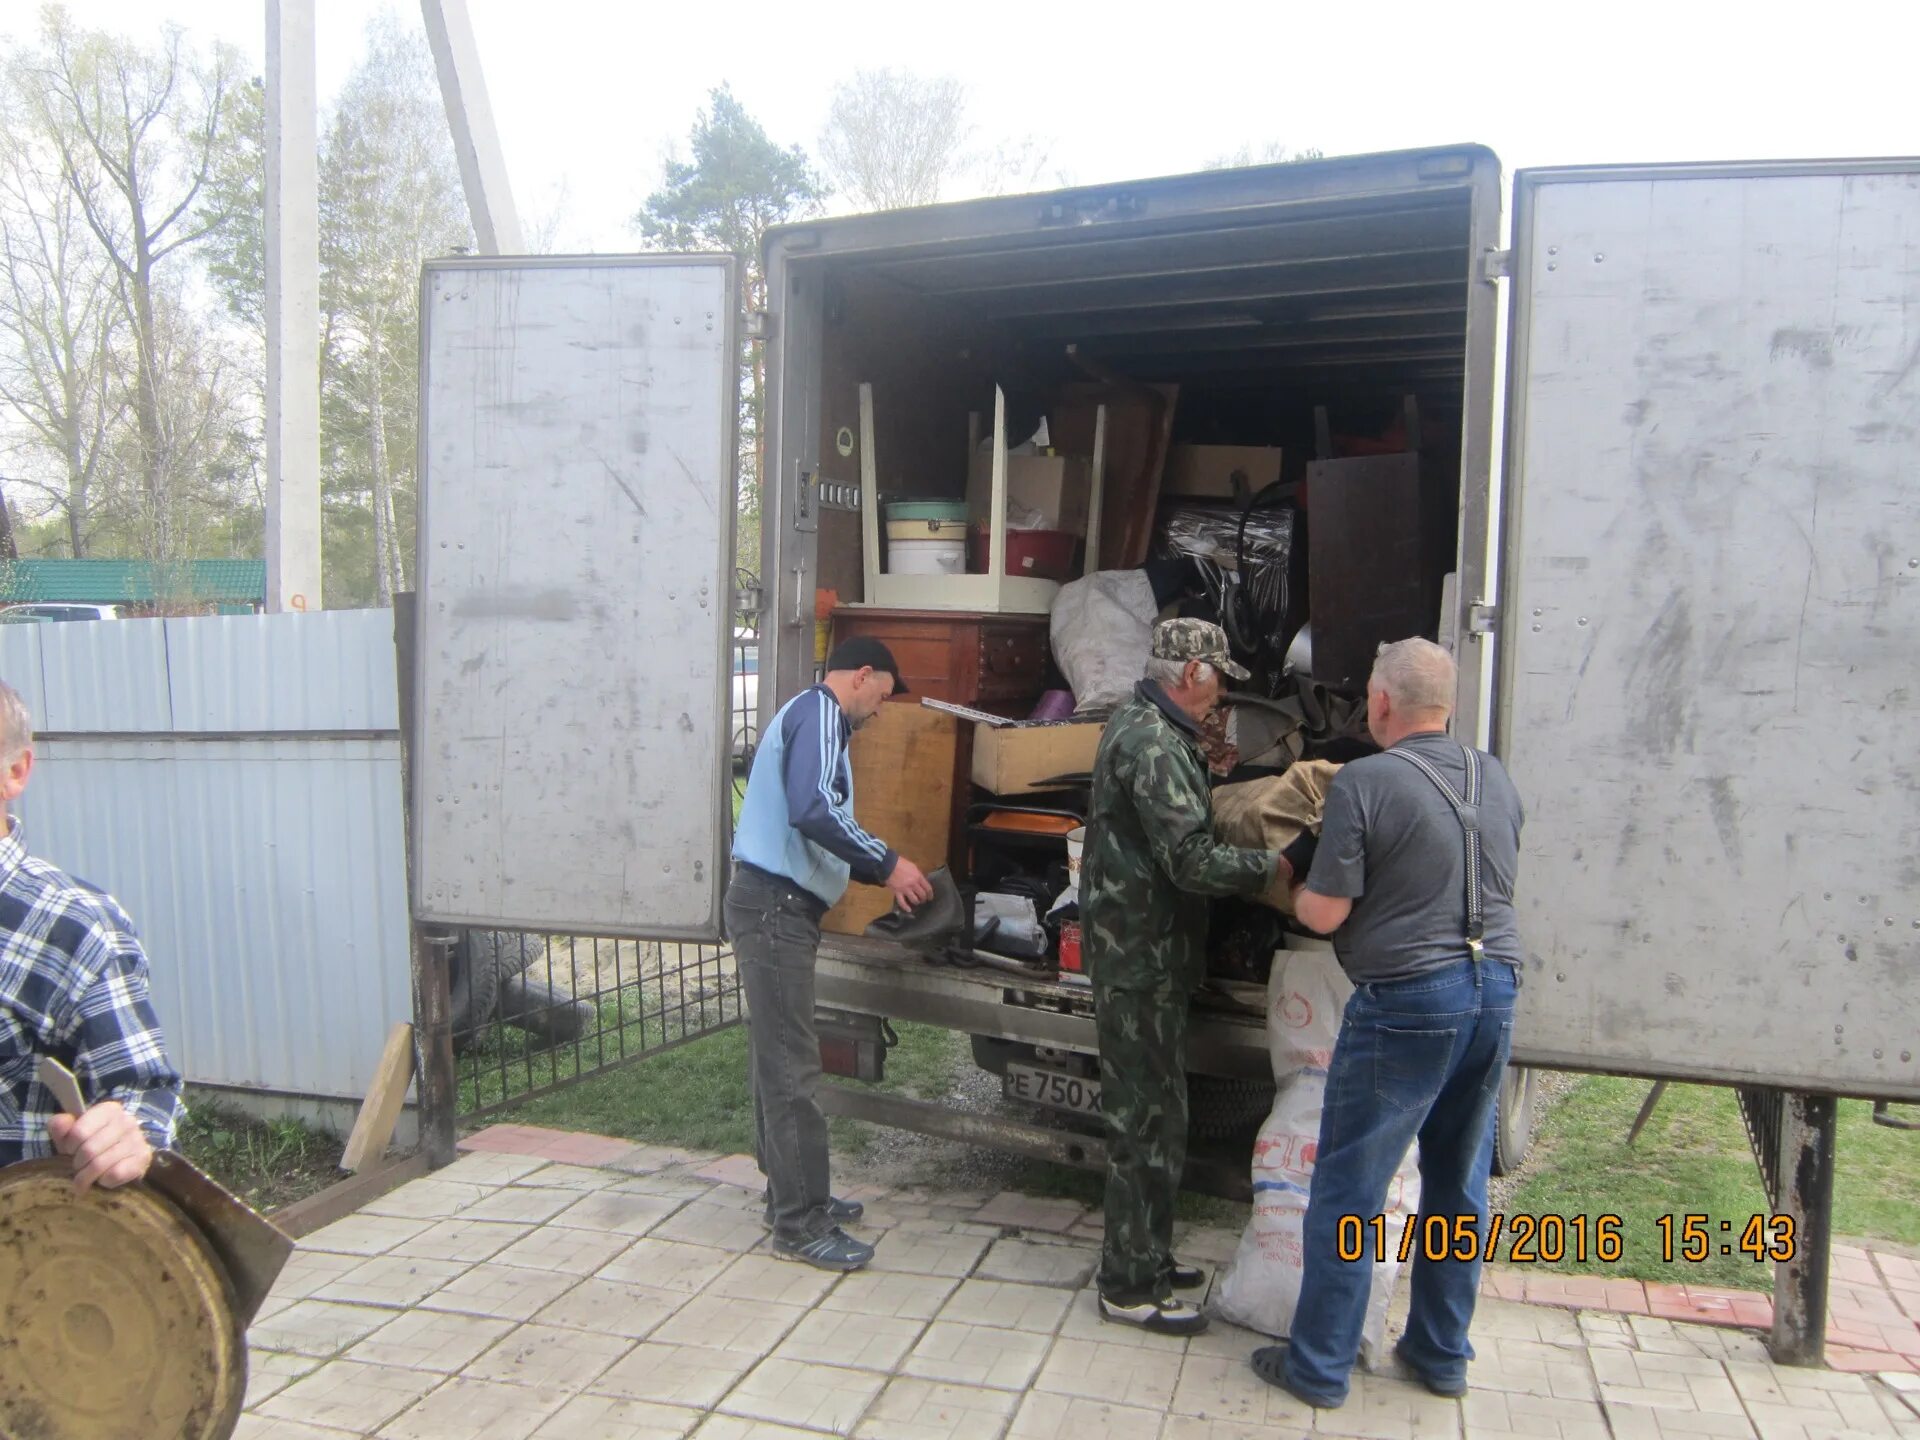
(1185, 639)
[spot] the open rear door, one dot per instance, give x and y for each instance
(1711, 595)
(577, 460)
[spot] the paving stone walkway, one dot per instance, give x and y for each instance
(574, 1287)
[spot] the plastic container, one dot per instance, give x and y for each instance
(927, 557)
(927, 510)
(1070, 947)
(926, 530)
(1035, 554)
(1076, 846)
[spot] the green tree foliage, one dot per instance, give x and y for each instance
(736, 186)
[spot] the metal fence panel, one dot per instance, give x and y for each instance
(258, 673)
(263, 864)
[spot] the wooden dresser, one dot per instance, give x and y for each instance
(995, 663)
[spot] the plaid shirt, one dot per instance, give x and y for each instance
(73, 985)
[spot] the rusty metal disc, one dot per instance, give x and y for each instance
(115, 1318)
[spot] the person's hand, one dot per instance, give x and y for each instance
(909, 885)
(107, 1145)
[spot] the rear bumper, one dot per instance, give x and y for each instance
(876, 977)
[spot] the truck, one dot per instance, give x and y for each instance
(1675, 513)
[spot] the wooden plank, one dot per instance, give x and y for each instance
(342, 1198)
(1134, 455)
(904, 763)
(380, 1111)
(1365, 581)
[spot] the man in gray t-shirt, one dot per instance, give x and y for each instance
(1391, 843)
(1414, 879)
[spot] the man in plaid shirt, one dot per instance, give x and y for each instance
(73, 985)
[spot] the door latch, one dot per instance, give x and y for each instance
(1482, 617)
(804, 518)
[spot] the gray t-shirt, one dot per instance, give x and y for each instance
(1391, 843)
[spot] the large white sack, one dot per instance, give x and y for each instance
(1306, 996)
(1101, 632)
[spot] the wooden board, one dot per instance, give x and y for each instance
(380, 1111)
(904, 762)
(1139, 429)
(1364, 572)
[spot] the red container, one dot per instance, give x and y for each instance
(1070, 946)
(1036, 554)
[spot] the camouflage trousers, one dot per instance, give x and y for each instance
(1143, 1097)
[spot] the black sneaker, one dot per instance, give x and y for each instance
(832, 1250)
(1446, 1389)
(1163, 1317)
(840, 1212)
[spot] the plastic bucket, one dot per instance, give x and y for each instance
(927, 510)
(926, 529)
(1076, 846)
(927, 557)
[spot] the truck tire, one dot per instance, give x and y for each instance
(551, 1016)
(1513, 1120)
(512, 951)
(1226, 1107)
(473, 987)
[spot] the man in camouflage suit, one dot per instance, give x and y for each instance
(1151, 862)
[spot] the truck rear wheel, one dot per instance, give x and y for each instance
(1513, 1121)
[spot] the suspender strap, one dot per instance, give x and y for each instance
(1466, 809)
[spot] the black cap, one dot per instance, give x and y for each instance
(860, 651)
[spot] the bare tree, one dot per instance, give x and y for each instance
(139, 131)
(1271, 153)
(390, 199)
(892, 139)
(60, 327)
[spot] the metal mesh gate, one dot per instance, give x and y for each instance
(534, 1013)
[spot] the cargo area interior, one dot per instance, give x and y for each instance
(1282, 366)
(1245, 324)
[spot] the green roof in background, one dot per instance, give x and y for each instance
(123, 582)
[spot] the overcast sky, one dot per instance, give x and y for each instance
(589, 94)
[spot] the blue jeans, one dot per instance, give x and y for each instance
(1415, 1058)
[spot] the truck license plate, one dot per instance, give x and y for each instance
(1053, 1089)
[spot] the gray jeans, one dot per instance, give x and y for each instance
(775, 929)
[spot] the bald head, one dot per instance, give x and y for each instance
(1411, 690)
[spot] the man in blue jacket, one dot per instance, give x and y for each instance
(794, 849)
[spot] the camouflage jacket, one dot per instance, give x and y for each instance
(1151, 860)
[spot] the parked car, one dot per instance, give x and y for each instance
(744, 710)
(29, 614)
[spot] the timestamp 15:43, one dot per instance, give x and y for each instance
(1694, 1238)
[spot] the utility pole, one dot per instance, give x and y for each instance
(293, 310)
(483, 169)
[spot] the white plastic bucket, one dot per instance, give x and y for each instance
(927, 557)
(1076, 846)
(898, 530)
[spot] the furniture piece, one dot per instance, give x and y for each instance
(996, 663)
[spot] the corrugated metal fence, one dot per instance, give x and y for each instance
(235, 782)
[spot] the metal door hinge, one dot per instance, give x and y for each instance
(1482, 617)
(759, 325)
(1496, 265)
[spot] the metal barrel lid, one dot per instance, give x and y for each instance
(115, 1316)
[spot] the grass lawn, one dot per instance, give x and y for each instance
(696, 1095)
(1693, 1158)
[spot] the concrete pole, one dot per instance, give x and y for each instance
(483, 169)
(293, 310)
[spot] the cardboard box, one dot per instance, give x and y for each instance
(1207, 471)
(1019, 759)
(1056, 486)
